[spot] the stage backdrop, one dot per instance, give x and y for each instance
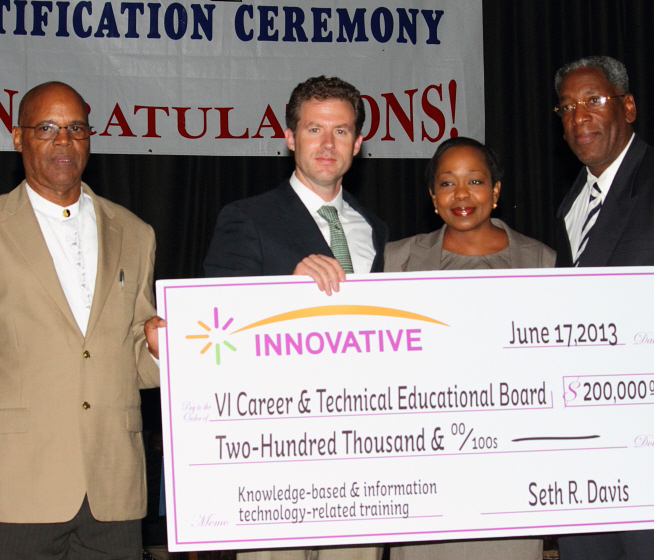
(213, 78)
(524, 45)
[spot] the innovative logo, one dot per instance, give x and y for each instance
(317, 342)
(216, 334)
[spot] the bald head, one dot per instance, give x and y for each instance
(53, 165)
(31, 98)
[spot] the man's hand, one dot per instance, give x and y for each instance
(327, 272)
(152, 334)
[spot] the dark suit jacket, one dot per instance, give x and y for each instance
(270, 234)
(623, 234)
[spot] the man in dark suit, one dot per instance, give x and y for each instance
(607, 219)
(283, 231)
(289, 231)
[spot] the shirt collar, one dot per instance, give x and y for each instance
(311, 200)
(50, 209)
(605, 180)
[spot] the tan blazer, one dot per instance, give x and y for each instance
(423, 251)
(70, 418)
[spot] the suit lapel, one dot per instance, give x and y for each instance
(295, 217)
(379, 237)
(21, 225)
(616, 210)
(427, 253)
(110, 236)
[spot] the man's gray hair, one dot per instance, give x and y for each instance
(614, 71)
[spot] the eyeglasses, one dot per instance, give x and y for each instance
(591, 103)
(50, 131)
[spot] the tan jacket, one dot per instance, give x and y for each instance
(70, 417)
(423, 251)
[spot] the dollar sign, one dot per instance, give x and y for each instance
(571, 389)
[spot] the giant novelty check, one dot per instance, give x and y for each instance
(407, 407)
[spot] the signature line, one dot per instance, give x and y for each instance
(553, 438)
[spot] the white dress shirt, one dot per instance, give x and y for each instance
(358, 231)
(71, 235)
(576, 216)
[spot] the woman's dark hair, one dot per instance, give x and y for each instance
(491, 158)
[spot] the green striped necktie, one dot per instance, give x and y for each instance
(337, 240)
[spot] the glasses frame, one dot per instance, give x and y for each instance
(561, 113)
(57, 129)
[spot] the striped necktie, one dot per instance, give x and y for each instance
(337, 240)
(594, 207)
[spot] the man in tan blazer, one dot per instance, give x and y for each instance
(77, 330)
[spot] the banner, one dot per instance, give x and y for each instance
(213, 78)
(406, 407)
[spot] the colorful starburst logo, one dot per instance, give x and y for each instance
(211, 338)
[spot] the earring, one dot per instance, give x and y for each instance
(494, 206)
(435, 210)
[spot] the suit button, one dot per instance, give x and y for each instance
(86, 354)
(86, 405)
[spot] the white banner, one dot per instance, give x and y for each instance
(213, 78)
(407, 407)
